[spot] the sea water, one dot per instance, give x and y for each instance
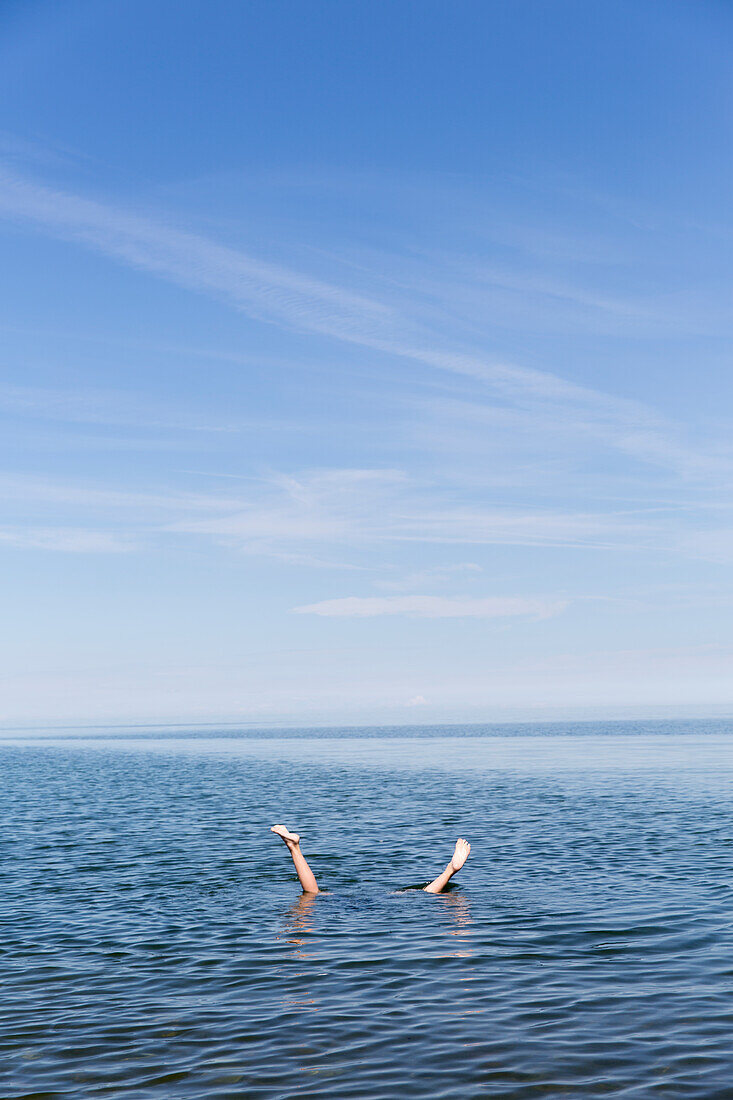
(154, 942)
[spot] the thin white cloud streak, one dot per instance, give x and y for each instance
(433, 607)
(187, 258)
(276, 294)
(528, 296)
(66, 540)
(438, 575)
(454, 425)
(101, 407)
(27, 489)
(512, 527)
(301, 519)
(368, 507)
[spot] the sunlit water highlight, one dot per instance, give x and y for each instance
(154, 943)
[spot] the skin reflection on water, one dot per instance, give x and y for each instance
(298, 923)
(298, 920)
(458, 908)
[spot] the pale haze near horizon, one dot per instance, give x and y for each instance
(365, 363)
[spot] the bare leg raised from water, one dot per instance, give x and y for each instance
(292, 842)
(459, 857)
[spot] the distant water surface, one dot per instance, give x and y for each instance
(154, 943)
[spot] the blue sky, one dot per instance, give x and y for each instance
(365, 362)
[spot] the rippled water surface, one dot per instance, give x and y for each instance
(154, 943)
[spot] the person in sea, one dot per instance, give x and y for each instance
(308, 879)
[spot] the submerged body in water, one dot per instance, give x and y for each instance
(308, 879)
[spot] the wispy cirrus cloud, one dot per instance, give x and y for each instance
(106, 408)
(301, 518)
(434, 607)
(66, 540)
(100, 499)
(281, 296)
(368, 508)
(191, 260)
(304, 518)
(440, 574)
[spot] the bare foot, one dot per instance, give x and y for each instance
(460, 855)
(291, 839)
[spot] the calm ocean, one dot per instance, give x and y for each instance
(154, 943)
